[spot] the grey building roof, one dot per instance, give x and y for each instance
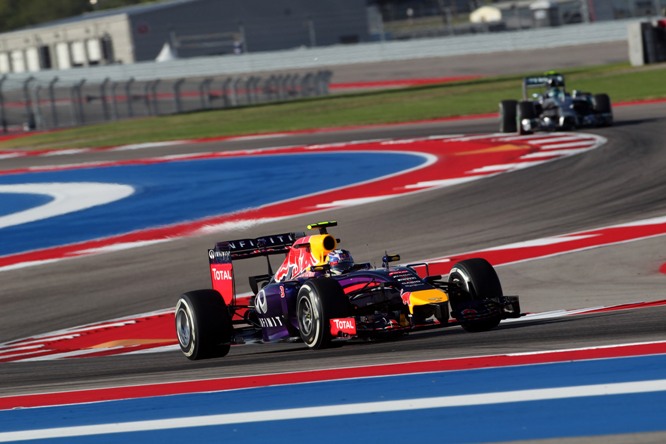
(129, 10)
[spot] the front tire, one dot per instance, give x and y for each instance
(526, 110)
(203, 325)
(319, 301)
(508, 116)
(479, 281)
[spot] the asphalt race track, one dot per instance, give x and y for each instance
(618, 183)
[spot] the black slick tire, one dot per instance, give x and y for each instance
(526, 110)
(602, 103)
(203, 325)
(508, 116)
(479, 280)
(319, 301)
(602, 106)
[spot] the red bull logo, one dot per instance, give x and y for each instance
(406, 297)
(470, 314)
(299, 259)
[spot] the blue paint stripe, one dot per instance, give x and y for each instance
(536, 414)
(174, 192)
(11, 203)
(580, 417)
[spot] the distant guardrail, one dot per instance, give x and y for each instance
(47, 105)
(150, 83)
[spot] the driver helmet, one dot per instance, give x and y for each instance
(340, 261)
(555, 82)
(554, 88)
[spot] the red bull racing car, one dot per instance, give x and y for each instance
(319, 296)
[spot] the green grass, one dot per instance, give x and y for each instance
(620, 81)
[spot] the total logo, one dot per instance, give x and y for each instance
(222, 275)
(343, 327)
(344, 323)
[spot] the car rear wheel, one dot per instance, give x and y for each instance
(602, 105)
(508, 117)
(319, 301)
(479, 282)
(203, 325)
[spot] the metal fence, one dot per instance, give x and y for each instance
(40, 104)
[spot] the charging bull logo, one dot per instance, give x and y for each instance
(298, 260)
(406, 296)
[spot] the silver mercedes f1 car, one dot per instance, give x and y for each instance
(553, 108)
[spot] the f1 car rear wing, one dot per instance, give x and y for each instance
(541, 81)
(220, 258)
(248, 248)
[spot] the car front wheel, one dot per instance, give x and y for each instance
(481, 294)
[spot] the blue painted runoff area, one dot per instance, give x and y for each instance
(181, 191)
(484, 419)
(14, 203)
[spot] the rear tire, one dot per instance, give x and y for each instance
(203, 325)
(508, 116)
(480, 281)
(602, 105)
(319, 301)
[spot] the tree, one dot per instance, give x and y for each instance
(16, 14)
